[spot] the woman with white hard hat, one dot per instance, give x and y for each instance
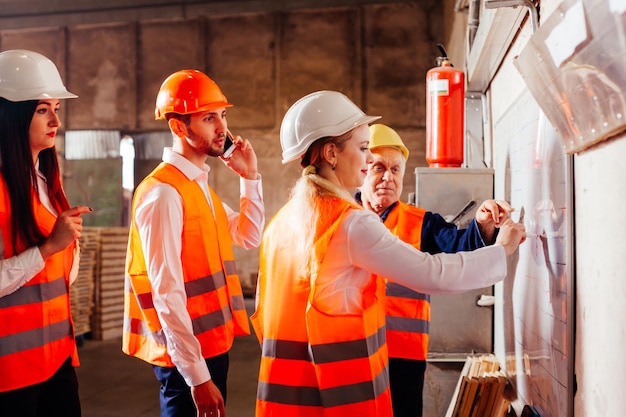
(38, 248)
(320, 314)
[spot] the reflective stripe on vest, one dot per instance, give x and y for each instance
(408, 311)
(214, 297)
(36, 329)
(307, 369)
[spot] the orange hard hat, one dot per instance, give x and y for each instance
(188, 91)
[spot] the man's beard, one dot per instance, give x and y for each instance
(209, 151)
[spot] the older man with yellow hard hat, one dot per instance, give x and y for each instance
(408, 312)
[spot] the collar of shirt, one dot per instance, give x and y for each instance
(185, 166)
(42, 187)
(385, 213)
(39, 174)
(190, 170)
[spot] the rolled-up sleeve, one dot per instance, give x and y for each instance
(246, 226)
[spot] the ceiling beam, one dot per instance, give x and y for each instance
(21, 14)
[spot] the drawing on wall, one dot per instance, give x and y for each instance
(537, 307)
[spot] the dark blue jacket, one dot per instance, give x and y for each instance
(440, 236)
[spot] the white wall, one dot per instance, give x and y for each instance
(600, 250)
(600, 221)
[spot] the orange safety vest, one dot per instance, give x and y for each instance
(408, 311)
(315, 364)
(214, 297)
(36, 327)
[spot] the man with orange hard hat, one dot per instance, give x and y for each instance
(183, 302)
(407, 311)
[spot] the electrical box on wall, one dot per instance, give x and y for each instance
(459, 325)
(574, 68)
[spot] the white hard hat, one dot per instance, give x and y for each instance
(27, 75)
(315, 116)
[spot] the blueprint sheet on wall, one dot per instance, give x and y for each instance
(537, 296)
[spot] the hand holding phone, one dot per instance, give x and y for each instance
(239, 156)
(229, 146)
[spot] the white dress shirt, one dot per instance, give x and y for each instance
(159, 219)
(363, 245)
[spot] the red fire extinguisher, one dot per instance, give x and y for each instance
(445, 114)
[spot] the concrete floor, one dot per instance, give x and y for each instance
(112, 384)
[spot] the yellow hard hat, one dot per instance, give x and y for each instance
(382, 135)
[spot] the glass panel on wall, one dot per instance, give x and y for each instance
(127, 151)
(92, 175)
(92, 144)
(149, 151)
(149, 146)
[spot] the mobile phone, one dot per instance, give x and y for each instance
(229, 146)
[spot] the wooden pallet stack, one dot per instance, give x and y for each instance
(81, 290)
(480, 391)
(106, 322)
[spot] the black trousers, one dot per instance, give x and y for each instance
(56, 397)
(175, 395)
(406, 378)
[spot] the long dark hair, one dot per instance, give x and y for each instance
(18, 170)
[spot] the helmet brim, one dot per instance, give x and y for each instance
(25, 95)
